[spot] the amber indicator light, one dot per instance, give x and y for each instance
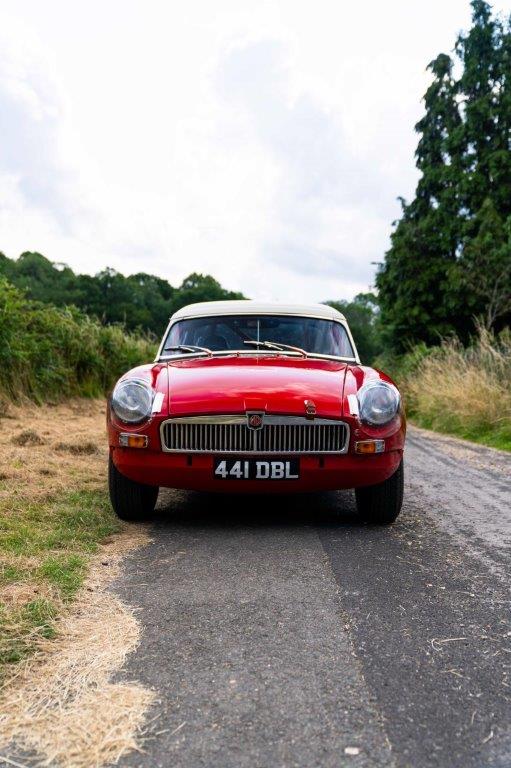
(370, 446)
(133, 441)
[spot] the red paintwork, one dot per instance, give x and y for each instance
(277, 385)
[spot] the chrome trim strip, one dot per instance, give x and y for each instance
(353, 403)
(157, 402)
(228, 419)
(241, 418)
(252, 353)
(254, 436)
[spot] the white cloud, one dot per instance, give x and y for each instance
(265, 143)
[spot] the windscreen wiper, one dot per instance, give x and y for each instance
(278, 346)
(189, 348)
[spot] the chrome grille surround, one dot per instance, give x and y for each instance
(231, 434)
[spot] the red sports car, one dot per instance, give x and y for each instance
(248, 397)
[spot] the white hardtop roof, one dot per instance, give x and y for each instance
(248, 307)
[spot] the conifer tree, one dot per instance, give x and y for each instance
(412, 282)
(486, 268)
(447, 264)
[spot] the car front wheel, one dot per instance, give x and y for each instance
(131, 501)
(381, 504)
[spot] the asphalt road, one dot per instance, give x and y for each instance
(282, 632)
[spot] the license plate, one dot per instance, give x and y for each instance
(256, 469)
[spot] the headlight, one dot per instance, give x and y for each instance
(132, 400)
(378, 403)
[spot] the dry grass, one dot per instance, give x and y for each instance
(39, 448)
(62, 705)
(62, 634)
(53, 511)
(465, 391)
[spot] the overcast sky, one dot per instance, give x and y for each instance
(262, 142)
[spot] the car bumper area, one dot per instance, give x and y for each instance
(195, 471)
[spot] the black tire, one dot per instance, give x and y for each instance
(381, 504)
(131, 501)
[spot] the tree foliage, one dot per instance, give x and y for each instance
(48, 352)
(362, 315)
(450, 252)
(139, 301)
(486, 272)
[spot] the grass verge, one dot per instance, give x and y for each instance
(63, 634)
(45, 547)
(462, 391)
(48, 532)
(491, 438)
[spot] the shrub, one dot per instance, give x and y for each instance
(47, 353)
(463, 390)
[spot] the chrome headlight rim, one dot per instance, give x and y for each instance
(371, 416)
(121, 408)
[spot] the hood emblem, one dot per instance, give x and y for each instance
(255, 420)
(310, 409)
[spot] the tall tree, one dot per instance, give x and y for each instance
(486, 268)
(427, 283)
(412, 282)
(482, 274)
(480, 83)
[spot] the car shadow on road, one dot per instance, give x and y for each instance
(207, 510)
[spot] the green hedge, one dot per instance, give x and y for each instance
(48, 353)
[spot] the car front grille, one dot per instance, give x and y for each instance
(231, 434)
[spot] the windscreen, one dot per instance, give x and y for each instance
(231, 332)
